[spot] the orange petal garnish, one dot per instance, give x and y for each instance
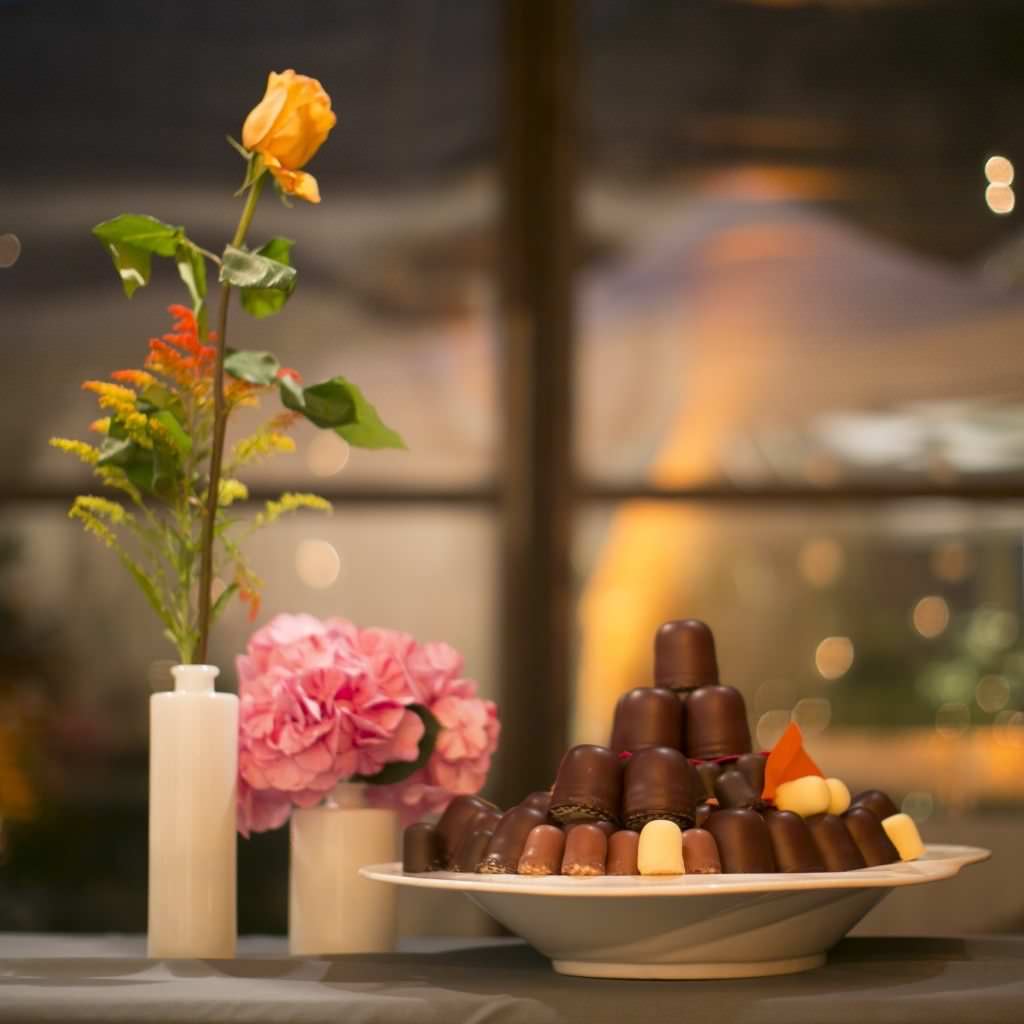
(787, 761)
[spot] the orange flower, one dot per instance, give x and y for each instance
(287, 127)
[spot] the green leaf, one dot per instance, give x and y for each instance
(192, 270)
(238, 147)
(149, 590)
(291, 388)
(181, 440)
(369, 430)
(338, 405)
(254, 367)
(151, 470)
(132, 264)
(222, 602)
(399, 771)
(131, 239)
(263, 302)
(141, 232)
(245, 269)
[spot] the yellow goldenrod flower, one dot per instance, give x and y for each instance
(291, 501)
(260, 445)
(79, 449)
(100, 426)
(231, 491)
(110, 510)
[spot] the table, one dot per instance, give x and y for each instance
(496, 981)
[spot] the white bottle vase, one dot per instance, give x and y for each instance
(331, 908)
(193, 767)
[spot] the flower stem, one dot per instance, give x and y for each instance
(220, 422)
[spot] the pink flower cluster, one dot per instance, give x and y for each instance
(324, 701)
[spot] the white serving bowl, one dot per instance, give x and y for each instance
(686, 926)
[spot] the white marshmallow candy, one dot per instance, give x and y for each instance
(903, 834)
(840, 801)
(660, 851)
(806, 796)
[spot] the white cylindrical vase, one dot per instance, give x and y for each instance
(331, 908)
(193, 768)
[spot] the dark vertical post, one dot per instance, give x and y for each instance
(536, 263)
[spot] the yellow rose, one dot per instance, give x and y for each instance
(287, 127)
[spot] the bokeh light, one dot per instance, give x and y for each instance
(820, 561)
(920, 805)
(992, 693)
(812, 714)
(1009, 729)
(327, 454)
(1000, 198)
(931, 616)
(989, 631)
(834, 657)
(10, 250)
(999, 170)
(317, 563)
(770, 727)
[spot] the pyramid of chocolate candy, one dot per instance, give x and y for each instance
(679, 790)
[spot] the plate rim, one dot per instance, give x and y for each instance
(941, 861)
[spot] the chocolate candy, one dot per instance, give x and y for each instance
(700, 853)
(792, 845)
(506, 845)
(541, 800)
(542, 852)
(622, 852)
(607, 827)
(733, 789)
(744, 845)
(648, 716)
(459, 818)
(684, 655)
(586, 851)
(659, 783)
(869, 835)
(588, 786)
(421, 849)
(716, 723)
(660, 850)
(703, 812)
(752, 766)
(840, 796)
(807, 796)
(877, 802)
(903, 834)
(470, 852)
(834, 843)
(708, 772)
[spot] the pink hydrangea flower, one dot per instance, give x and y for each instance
(468, 738)
(321, 702)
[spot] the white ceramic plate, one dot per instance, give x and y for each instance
(737, 926)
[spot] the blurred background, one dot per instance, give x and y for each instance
(710, 309)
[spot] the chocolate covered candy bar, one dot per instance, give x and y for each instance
(588, 786)
(744, 845)
(648, 716)
(659, 782)
(542, 852)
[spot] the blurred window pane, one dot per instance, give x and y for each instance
(800, 278)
